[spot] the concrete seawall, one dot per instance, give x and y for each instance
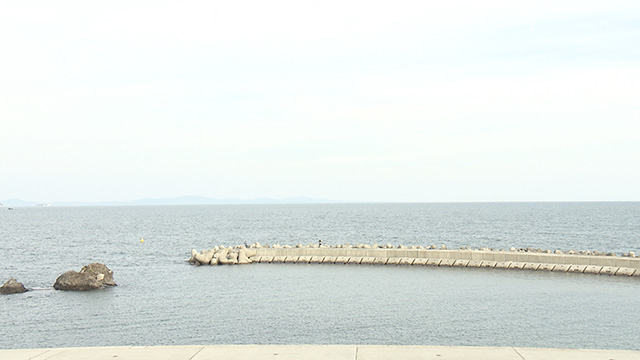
(315, 352)
(500, 259)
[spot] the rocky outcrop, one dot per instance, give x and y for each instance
(91, 277)
(98, 269)
(75, 281)
(12, 286)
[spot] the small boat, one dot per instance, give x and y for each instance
(9, 208)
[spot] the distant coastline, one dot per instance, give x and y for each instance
(181, 200)
(202, 200)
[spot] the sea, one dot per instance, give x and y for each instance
(162, 300)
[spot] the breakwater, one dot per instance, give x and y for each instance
(523, 259)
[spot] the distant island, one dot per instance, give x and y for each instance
(181, 200)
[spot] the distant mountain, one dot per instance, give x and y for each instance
(17, 202)
(182, 200)
(201, 200)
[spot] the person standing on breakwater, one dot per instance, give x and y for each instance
(319, 242)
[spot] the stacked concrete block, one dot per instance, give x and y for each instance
(406, 261)
(368, 260)
(460, 263)
(577, 268)
(420, 261)
(546, 267)
(488, 264)
(625, 271)
(447, 262)
(474, 263)
(393, 261)
(329, 260)
(561, 268)
(433, 262)
(592, 269)
(608, 270)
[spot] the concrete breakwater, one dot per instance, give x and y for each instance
(541, 260)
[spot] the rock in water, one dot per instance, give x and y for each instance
(75, 281)
(12, 287)
(90, 277)
(96, 269)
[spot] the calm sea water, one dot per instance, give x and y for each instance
(161, 300)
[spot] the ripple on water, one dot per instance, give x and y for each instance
(162, 300)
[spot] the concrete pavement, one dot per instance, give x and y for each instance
(313, 352)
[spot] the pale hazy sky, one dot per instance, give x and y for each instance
(344, 100)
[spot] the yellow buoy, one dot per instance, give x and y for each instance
(141, 240)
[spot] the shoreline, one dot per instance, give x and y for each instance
(284, 352)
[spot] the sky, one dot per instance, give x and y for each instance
(363, 101)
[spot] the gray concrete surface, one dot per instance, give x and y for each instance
(313, 352)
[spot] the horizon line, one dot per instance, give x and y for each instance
(203, 200)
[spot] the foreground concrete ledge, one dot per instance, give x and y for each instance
(290, 352)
